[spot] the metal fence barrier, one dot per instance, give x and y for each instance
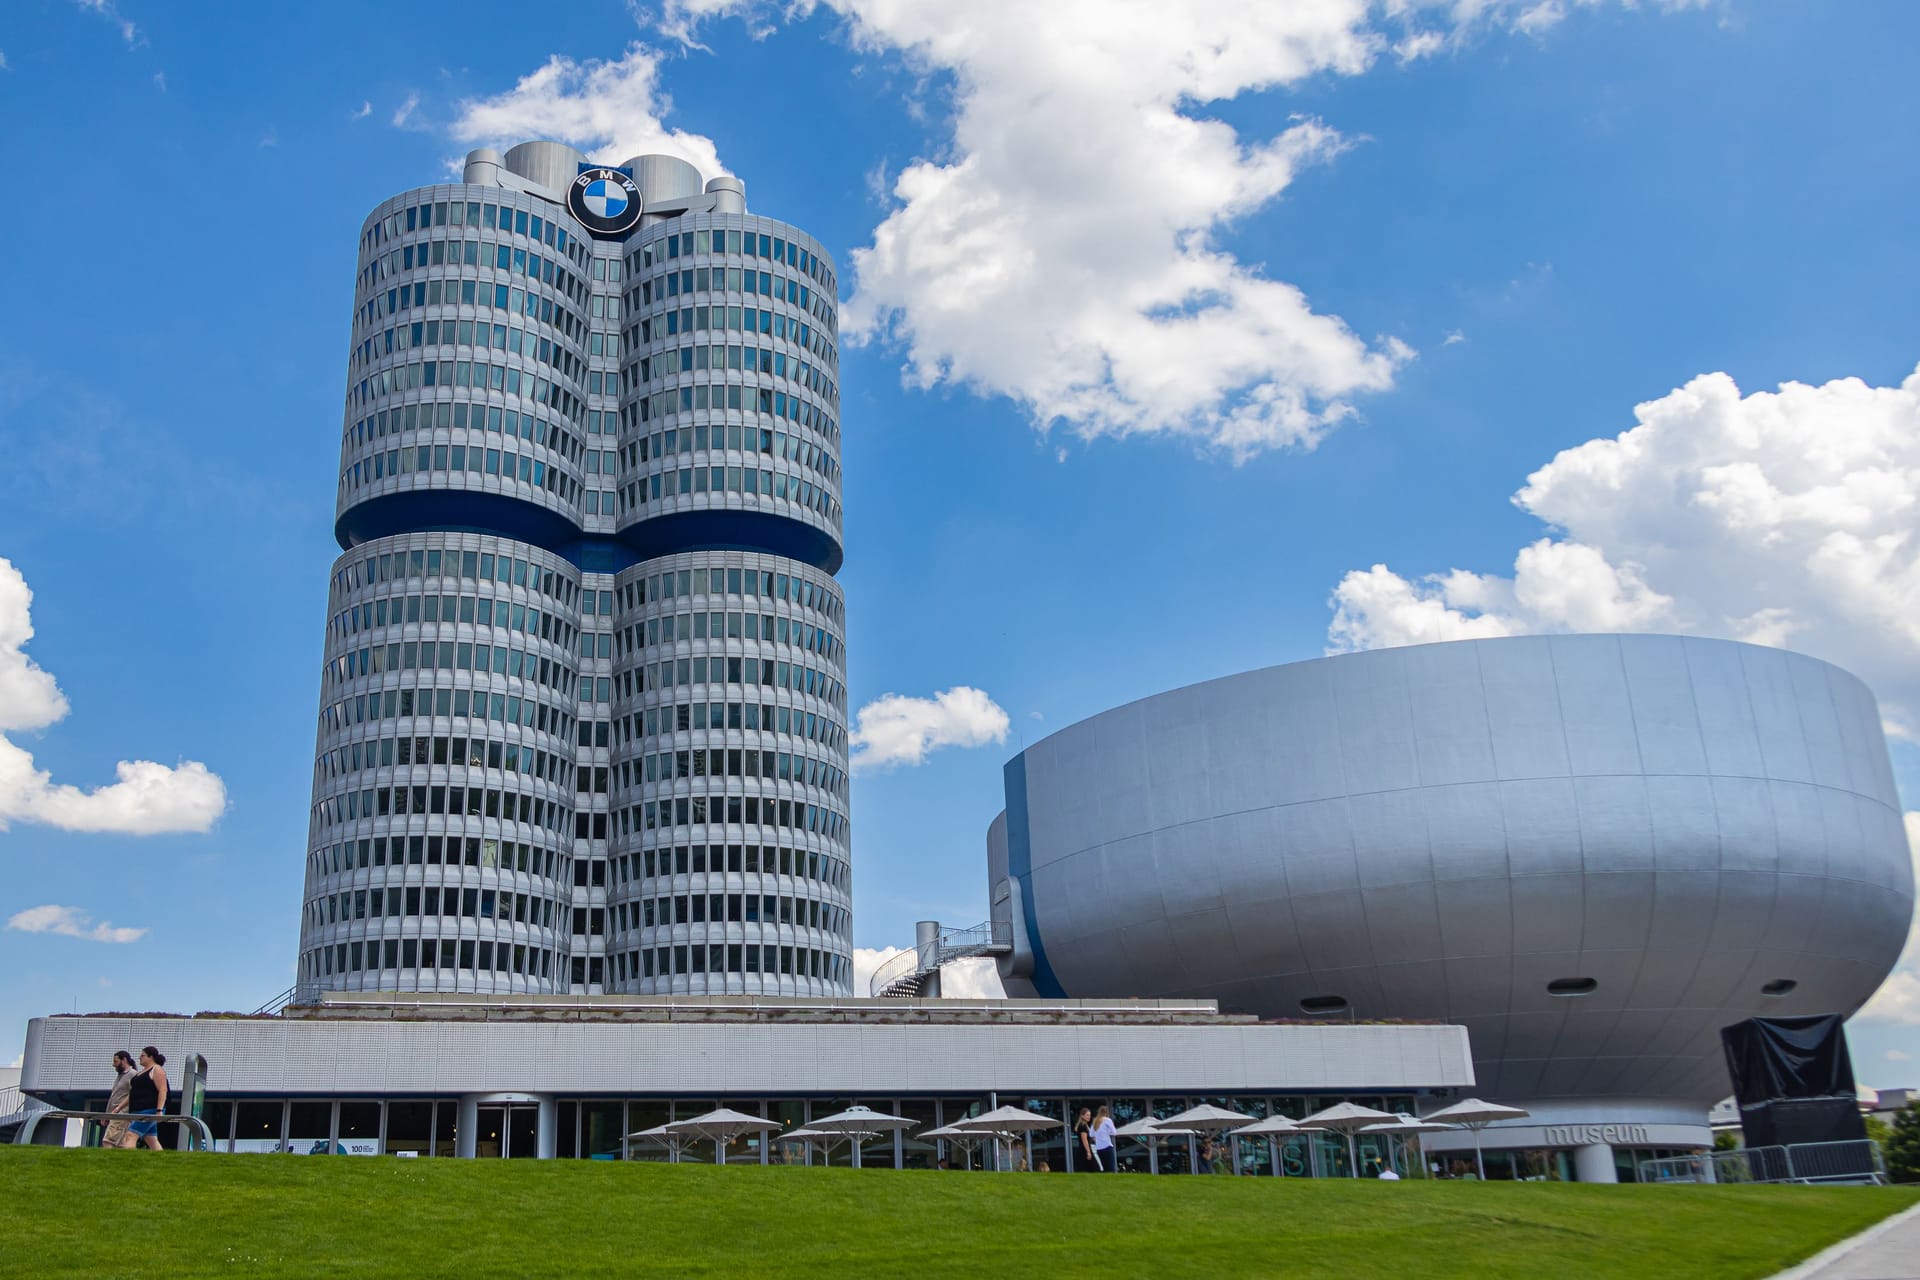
(203, 1140)
(1857, 1160)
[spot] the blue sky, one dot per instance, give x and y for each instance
(1141, 402)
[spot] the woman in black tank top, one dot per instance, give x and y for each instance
(147, 1095)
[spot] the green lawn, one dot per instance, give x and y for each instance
(124, 1214)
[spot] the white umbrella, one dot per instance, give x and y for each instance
(720, 1127)
(662, 1134)
(1210, 1119)
(1408, 1126)
(965, 1139)
(1150, 1130)
(1007, 1122)
(1346, 1118)
(860, 1122)
(1270, 1129)
(1476, 1114)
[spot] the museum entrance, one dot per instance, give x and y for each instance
(511, 1130)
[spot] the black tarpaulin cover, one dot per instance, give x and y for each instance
(1772, 1059)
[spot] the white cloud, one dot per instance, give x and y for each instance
(1898, 999)
(895, 729)
(609, 109)
(1789, 517)
(70, 922)
(1898, 1055)
(366, 109)
(3, 61)
(1453, 338)
(147, 799)
(106, 9)
(160, 81)
(405, 111)
(975, 979)
(1064, 247)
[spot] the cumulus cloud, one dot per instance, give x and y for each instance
(71, 922)
(895, 729)
(147, 799)
(974, 979)
(1898, 999)
(1789, 517)
(1065, 248)
(612, 110)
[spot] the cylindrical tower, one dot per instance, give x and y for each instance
(583, 711)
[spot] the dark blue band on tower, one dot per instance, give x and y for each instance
(467, 511)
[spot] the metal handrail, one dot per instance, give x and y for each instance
(32, 1122)
(276, 1004)
(953, 944)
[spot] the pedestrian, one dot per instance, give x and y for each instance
(1103, 1152)
(147, 1096)
(117, 1135)
(1083, 1140)
(1388, 1175)
(1209, 1156)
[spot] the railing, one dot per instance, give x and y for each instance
(902, 974)
(278, 1003)
(1855, 1160)
(203, 1135)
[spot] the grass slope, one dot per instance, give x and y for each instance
(123, 1214)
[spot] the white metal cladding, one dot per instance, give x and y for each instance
(1440, 831)
(291, 1056)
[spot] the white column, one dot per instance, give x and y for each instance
(1594, 1163)
(467, 1128)
(549, 1128)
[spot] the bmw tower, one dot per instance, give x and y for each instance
(582, 719)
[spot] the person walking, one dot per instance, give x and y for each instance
(147, 1096)
(117, 1135)
(1103, 1152)
(1083, 1141)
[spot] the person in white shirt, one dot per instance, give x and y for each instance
(1103, 1153)
(1388, 1175)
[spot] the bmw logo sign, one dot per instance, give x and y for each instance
(606, 201)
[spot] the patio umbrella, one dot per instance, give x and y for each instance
(1347, 1118)
(1270, 1129)
(662, 1134)
(1210, 1119)
(1476, 1114)
(1007, 1122)
(720, 1127)
(1149, 1131)
(1408, 1126)
(965, 1139)
(860, 1122)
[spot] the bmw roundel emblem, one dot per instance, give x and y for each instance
(606, 201)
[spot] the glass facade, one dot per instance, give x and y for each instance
(583, 721)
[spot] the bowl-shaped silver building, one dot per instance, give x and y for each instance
(1592, 851)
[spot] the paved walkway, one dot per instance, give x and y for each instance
(1888, 1250)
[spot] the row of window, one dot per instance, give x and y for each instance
(475, 375)
(739, 244)
(729, 908)
(700, 859)
(689, 716)
(484, 254)
(718, 319)
(454, 655)
(674, 673)
(778, 485)
(529, 346)
(456, 801)
(415, 851)
(477, 610)
(485, 296)
(703, 280)
(447, 415)
(506, 464)
(477, 704)
(414, 901)
(475, 213)
(662, 962)
(437, 562)
(764, 627)
(762, 360)
(693, 811)
(731, 762)
(463, 753)
(739, 437)
(428, 953)
(676, 584)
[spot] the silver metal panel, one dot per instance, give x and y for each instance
(1679, 820)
